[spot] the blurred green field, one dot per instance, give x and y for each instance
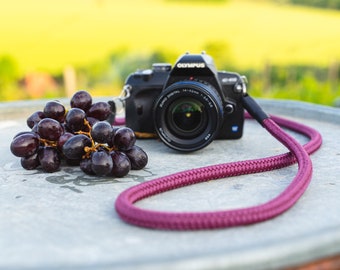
(49, 35)
(286, 51)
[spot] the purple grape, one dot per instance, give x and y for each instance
(73, 148)
(121, 164)
(35, 118)
(26, 132)
(111, 143)
(92, 120)
(30, 162)
(49, 129)
(101, 163)
(55, 110)
(99, 110)
(86, 166)
(72, 162)
(124, 138)
(138, 157)
(75, 119)
(82, 100)
(101, 132)
(62, 140)
(49, 159)
(25, 145)
(35, 129)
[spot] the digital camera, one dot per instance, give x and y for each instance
(189, 105)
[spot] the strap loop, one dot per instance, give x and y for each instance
(227, 218)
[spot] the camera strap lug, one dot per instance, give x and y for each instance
(120, 100)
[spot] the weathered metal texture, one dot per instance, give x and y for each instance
(66, 220)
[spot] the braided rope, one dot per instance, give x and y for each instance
(227, 218)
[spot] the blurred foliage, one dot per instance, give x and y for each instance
(332, 4)
(305, 83)
(8, 70)
(107, 76)
(9, 77)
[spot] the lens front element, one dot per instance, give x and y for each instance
(187, 117)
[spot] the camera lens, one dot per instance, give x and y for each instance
(187, 115)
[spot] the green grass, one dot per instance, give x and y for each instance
(49, 35)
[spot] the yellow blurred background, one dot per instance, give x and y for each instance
(51, 48)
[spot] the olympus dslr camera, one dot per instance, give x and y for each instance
(189, 105)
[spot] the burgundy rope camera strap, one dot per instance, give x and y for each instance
(130, 213)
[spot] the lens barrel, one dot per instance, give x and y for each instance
(188, 115)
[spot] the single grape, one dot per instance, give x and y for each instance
(35, 129)
(25, 144)
(82, 100)
(92, 120)
(124, 138)
(49, 129)
(114, 129)
(100, 110)
(86, 166)
(73, 148)
(63, 127)
(62, 140)
(30, 162)
(49, 159)
(55, 110)
(101, 132)
(121, 164)
(35, 118)
(111, 142)
(26, 132)
(72, 162)
(138, 157)
(75, 118)
(101, 163)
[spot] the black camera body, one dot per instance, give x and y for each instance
(188, 105)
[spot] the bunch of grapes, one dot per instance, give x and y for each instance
(81, 136)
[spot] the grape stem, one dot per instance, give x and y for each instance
(94, 146)
(90, 149)
(48, 142)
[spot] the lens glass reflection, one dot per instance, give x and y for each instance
(187, 117)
